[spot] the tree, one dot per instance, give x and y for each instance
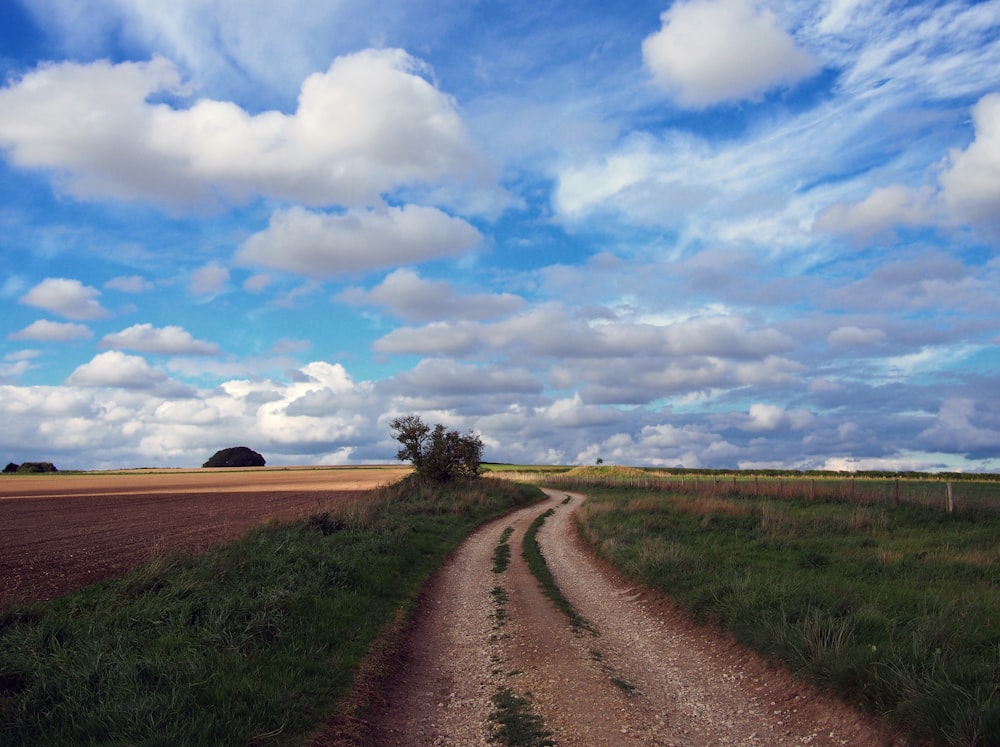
(437, 454)
(235, 456)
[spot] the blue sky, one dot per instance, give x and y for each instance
(710, 233)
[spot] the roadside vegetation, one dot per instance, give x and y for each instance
(254, 642)
(895, 608)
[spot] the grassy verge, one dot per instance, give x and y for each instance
(250, 643)
(894, 608)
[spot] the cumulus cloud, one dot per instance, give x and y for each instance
(709, 51)
(369, 124)
(66, 297)
(47, 331)
(169, 340)
(116, 370)
(763, 417)
(321, 244)
(960, 425)
(407, 295)
(885, 208)
(971, 183)
(209, 280)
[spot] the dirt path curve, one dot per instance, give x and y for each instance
(642, 676)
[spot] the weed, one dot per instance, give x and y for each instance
(501, 555)
(532, 553)
(516, 725)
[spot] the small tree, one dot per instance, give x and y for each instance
(437, 454)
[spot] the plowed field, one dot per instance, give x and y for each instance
(62, 532)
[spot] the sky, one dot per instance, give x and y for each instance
(707, 233)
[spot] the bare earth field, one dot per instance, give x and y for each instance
(61, 532)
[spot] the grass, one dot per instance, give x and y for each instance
(501, 555)
(532, 553)
(893, 608)
(250, 643)
(516, 724)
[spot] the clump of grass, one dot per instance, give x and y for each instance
(501, 555)
(251, 642)
(516, 725)
(894, 608)
(532, 553)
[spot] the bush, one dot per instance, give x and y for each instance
(235, 456)
(437, 455)
(10, 468)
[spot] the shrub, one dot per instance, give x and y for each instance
(235, 456)
(437, 455)
(10, 468)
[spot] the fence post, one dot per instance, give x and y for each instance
(951, 499)
(897, 491)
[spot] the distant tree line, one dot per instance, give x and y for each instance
(29, 468)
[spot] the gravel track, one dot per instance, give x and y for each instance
(643, 676)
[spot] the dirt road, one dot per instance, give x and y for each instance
(641, 675)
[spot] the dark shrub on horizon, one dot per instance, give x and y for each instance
(235, 456)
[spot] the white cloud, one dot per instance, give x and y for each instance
(221, 41)
(958, 426)
(406, 295)
(117, 370)
(443, 376)
(971, 184)
(885, 208)
(209, 280)
(129, 284)
(169, 340)
(968, 190)
(709, 51)
(768, 418)
(853, 335)
(319, 244)
(66, 297)
(52, 332)
(366, 126)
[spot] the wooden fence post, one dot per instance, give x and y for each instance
(951, 499)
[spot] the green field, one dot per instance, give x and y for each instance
(895, 608)
(254, 642)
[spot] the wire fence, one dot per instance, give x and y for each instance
(950, 495)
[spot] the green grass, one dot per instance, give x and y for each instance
(501, 554)
(250, 643)
(516, 725)
(532, 553)
(893, 608)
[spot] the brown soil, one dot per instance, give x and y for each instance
(62, 532)
(644, 675)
